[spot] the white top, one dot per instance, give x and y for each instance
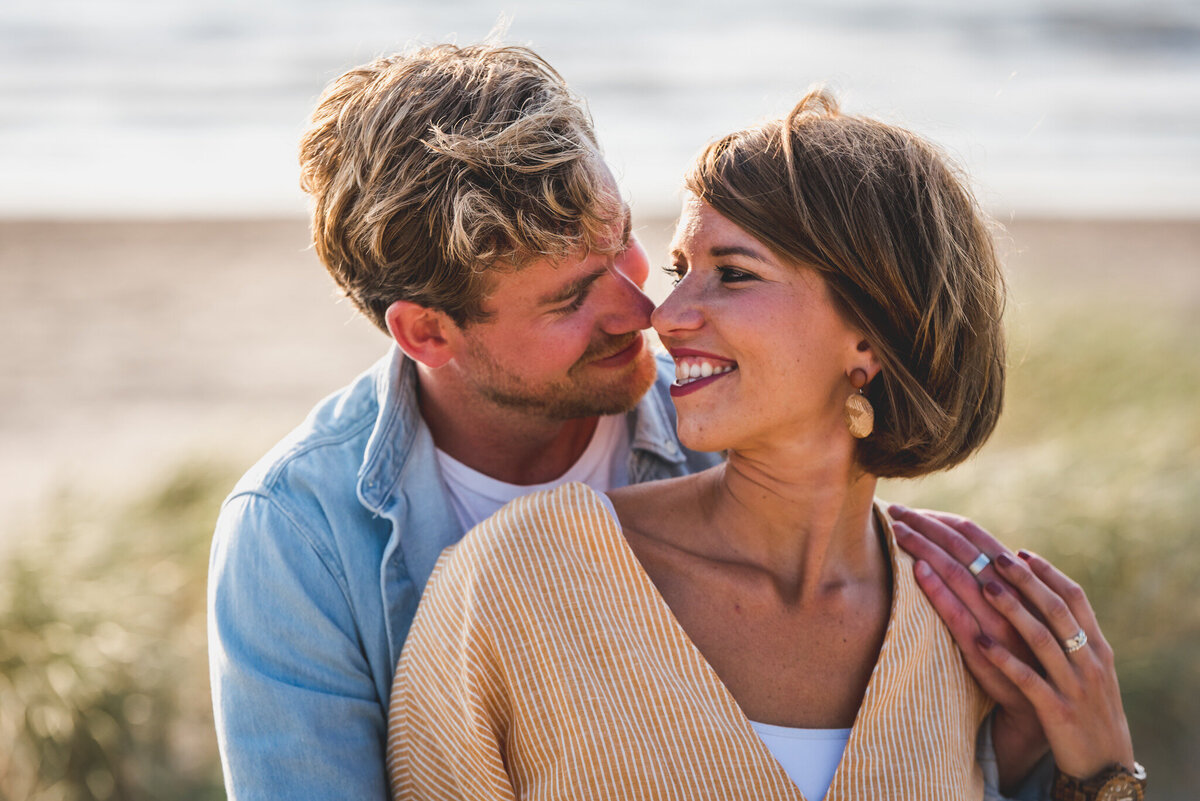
(603, 465)
(809, 756)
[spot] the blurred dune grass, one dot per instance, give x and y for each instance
(1096, 464)
(103, 667)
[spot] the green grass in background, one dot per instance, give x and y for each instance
(1096, 464)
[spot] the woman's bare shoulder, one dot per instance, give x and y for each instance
(648, 500)
(662, 517)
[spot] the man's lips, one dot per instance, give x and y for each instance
(624, 356)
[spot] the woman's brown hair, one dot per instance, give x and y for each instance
(894, 231)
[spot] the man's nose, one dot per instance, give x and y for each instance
(633, 263)
(630, 307)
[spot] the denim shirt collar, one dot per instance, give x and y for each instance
(653, 425)
(399, 481)
(396, 426)
(399, 421)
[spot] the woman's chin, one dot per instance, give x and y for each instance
(703, 439)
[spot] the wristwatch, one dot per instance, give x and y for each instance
(1114, 783)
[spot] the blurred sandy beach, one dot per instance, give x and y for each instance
(134, 344)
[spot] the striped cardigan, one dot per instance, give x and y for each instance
(544, 664)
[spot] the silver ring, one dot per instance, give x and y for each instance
(1075, 643)
(979, 564)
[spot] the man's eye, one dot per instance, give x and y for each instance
(732, 275)
(676, 272)
(574, 305)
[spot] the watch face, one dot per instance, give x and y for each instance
(1120, 788)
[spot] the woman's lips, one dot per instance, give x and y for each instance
(679, 390)
(693, 366)
(695, 370)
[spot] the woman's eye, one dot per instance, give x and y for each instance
(676, 272)
(732, 275)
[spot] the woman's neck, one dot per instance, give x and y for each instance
(807, 521)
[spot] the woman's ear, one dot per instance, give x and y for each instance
(425, 335)
(865, 359)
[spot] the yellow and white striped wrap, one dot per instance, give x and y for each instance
(543, 664)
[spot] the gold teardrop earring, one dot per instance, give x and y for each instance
(860, 415)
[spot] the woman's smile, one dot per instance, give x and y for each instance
(695, 369)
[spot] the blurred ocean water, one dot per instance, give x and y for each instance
(194, 107)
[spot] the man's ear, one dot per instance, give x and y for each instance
(425, 335)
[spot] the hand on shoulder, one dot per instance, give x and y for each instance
(1029, 635)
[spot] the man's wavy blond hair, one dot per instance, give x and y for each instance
(429, 169)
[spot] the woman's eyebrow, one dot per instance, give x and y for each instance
(736, 250)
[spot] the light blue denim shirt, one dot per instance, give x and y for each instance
(320, 556)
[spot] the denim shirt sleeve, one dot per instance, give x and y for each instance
(1034, 787)
(297, 713)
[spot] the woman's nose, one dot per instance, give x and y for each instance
(679, 313)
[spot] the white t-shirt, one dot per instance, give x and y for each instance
(810, 756)
(603, 465)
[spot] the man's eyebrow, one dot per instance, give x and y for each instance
(736, 250)
(571, 290)
(580, 284)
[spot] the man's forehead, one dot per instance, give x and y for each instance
(602, 247)
(548, 280)
(620, 231)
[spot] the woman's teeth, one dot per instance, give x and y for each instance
(688, 370)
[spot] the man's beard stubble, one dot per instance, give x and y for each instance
(572, 397)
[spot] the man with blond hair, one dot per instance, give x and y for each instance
(461, 202)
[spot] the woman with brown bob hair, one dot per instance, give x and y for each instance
(754, 631)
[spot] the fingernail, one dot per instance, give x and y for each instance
(984, 641)
(922, 569)
(901, 529)
(897, 509)
(994, 589)
(1024, 554)
(1004, 560)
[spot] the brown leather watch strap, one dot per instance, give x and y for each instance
(1114, 783)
